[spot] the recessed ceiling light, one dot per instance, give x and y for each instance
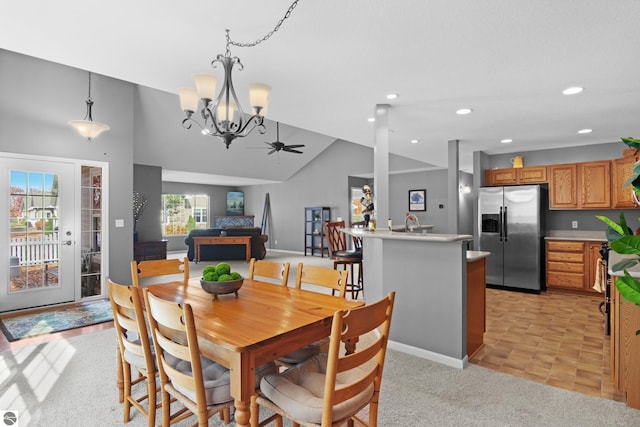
(371, 119)
(392, 96)
(506, 141)
(585, 131)
(572, 90)
(464, 111)
(414, 141)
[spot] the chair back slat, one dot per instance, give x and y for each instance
(270, 270)
(336, 280)
(336, 239)
(158, 268)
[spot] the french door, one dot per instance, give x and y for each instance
(37, 230)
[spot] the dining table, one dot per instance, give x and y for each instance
(263, 322)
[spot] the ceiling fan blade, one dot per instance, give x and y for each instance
(295, 146)
(272, 151)
(289, 150)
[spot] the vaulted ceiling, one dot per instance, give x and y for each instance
(332, 61)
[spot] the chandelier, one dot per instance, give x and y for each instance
(87, 127)
(222, 115)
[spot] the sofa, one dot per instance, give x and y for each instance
(227, 252)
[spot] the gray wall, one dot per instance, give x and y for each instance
(39, 98)
(147, 180)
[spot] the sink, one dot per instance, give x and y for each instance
(413, 230)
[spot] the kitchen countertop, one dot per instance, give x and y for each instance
(586, 236)
(398, 235)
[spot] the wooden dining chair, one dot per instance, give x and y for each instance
(330, 389)
(315, 278)
(159, 267)
(259, 269)
(135, 352)
(182, 370)
(342, 256)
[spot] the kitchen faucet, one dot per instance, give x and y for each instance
(410, 217)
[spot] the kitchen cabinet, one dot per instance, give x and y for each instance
(515, 176)
(595, 185)
(563, 184)
(315, 241)
(621, 170)
(571, 264)
(625, 347)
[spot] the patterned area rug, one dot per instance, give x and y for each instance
(29, 325)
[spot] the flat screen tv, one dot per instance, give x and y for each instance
(235, 203)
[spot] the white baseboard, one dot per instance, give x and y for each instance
(429, 355)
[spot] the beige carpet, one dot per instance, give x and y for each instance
(71, 382)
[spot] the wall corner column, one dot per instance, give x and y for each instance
(381, 164)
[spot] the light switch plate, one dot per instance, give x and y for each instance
(119, 223)
(574, 224)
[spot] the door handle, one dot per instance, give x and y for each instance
(67, 242)
(500, 224)
(504, 218)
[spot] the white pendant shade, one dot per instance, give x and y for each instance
(222, 111)
(206, 85)
(188, 99)
(259, 96)
(88, 128)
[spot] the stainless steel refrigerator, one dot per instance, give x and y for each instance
(511, 227)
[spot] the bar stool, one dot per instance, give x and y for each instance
(338, 252)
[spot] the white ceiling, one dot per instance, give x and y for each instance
(333, 61)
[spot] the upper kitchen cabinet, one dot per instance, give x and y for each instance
(595, 185)
(584, 185)
(621, 170)
(514, 176)
(563, 185)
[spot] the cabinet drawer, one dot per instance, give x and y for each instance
(565, 280)
(565, 267)
(564, 245)
(577, 257)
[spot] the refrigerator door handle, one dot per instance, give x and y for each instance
(504, 227)
(500, 224)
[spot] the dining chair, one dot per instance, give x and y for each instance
(330, 389)
(134, 347)
(314, 278)
(342, 256)
(159, 267)
(270, 270)
(200, 384)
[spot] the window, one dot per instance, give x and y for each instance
(183, 212)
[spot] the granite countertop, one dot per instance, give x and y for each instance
(476, 255)
(579, 235)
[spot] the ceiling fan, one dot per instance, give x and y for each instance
(277, 146)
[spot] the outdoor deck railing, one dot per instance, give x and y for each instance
(35, 250)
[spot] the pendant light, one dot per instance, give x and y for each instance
(87, 127)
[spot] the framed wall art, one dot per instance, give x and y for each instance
(417, 200)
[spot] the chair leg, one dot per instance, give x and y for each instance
(126, 371)
(152, 392)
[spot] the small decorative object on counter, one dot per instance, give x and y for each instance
(389, 224)
(372, 224)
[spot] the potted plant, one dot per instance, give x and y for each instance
(624, 241)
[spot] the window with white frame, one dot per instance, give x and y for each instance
(184, 212)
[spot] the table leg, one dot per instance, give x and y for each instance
(197, 250)
(242, 387)
(247, 246)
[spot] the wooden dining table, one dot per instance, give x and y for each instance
(265, 321)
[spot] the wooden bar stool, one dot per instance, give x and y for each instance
(341, 255)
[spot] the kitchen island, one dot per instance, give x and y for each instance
(428, 271)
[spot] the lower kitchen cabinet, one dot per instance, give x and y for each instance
(571, 264)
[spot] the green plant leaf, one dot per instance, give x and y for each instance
(625, 264)
(631, 142)
(629, 288)
(614, 231)
(627, 245)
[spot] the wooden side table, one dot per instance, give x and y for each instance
(221, 240)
